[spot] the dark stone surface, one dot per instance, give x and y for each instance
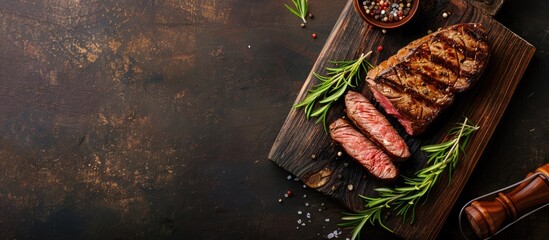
(153, 119)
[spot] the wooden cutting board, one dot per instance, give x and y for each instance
(304, 148)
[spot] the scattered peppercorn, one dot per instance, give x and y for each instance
(289, 193)
(379, 48)
(314, 35)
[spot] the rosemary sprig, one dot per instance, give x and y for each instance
(442, 157)
(332, 87)
(300, 9)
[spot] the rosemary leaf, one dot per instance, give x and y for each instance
(301, 8)
(332, 87)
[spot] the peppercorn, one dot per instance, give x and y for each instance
(387, 10)
(379, 48)
(314, 35)
(289, 193)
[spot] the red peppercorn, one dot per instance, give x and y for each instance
(289, 193)
(314, 35)
(379, 48)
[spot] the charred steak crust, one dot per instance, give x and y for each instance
(374, 125)
(363, 150)
(422, 79)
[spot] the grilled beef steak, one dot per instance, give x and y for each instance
(374, 125)
(363, 150)
(422, 78)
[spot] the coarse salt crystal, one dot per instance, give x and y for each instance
(299, 221)
(330, 236)
(299, 212)
(327, 220)
(289, 177)
(304, 195)
(308, 215)
(307, 204)
(350, 187)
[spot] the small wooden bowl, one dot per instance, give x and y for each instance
(387, 25)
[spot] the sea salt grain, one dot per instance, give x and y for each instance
(299, 212)
(308, 215)
(334, 234)
(289, 177)
(327, 220)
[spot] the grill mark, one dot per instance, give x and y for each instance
(458, 61)
(405, 90)
(421, 53)
(442, 86)
(404, 112)
(460, 46)
(478, 57)
(475, 34)
(425, 85)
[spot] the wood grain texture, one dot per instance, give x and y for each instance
(484, 104)
(490, 7)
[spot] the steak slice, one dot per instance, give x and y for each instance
(421, 80)
(363, 150)
(374, 125)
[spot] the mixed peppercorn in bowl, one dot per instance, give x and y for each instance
(386, 13)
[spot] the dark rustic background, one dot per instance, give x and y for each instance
(153, 119)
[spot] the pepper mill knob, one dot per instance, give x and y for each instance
(487, 217)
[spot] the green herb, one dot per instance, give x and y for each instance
(332, 87)
(300, 9)
(442, 157)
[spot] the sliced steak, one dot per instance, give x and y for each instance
(422, 79)
(374, 125)
(363, 150)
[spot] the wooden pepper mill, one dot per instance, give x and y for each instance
(487, 217)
